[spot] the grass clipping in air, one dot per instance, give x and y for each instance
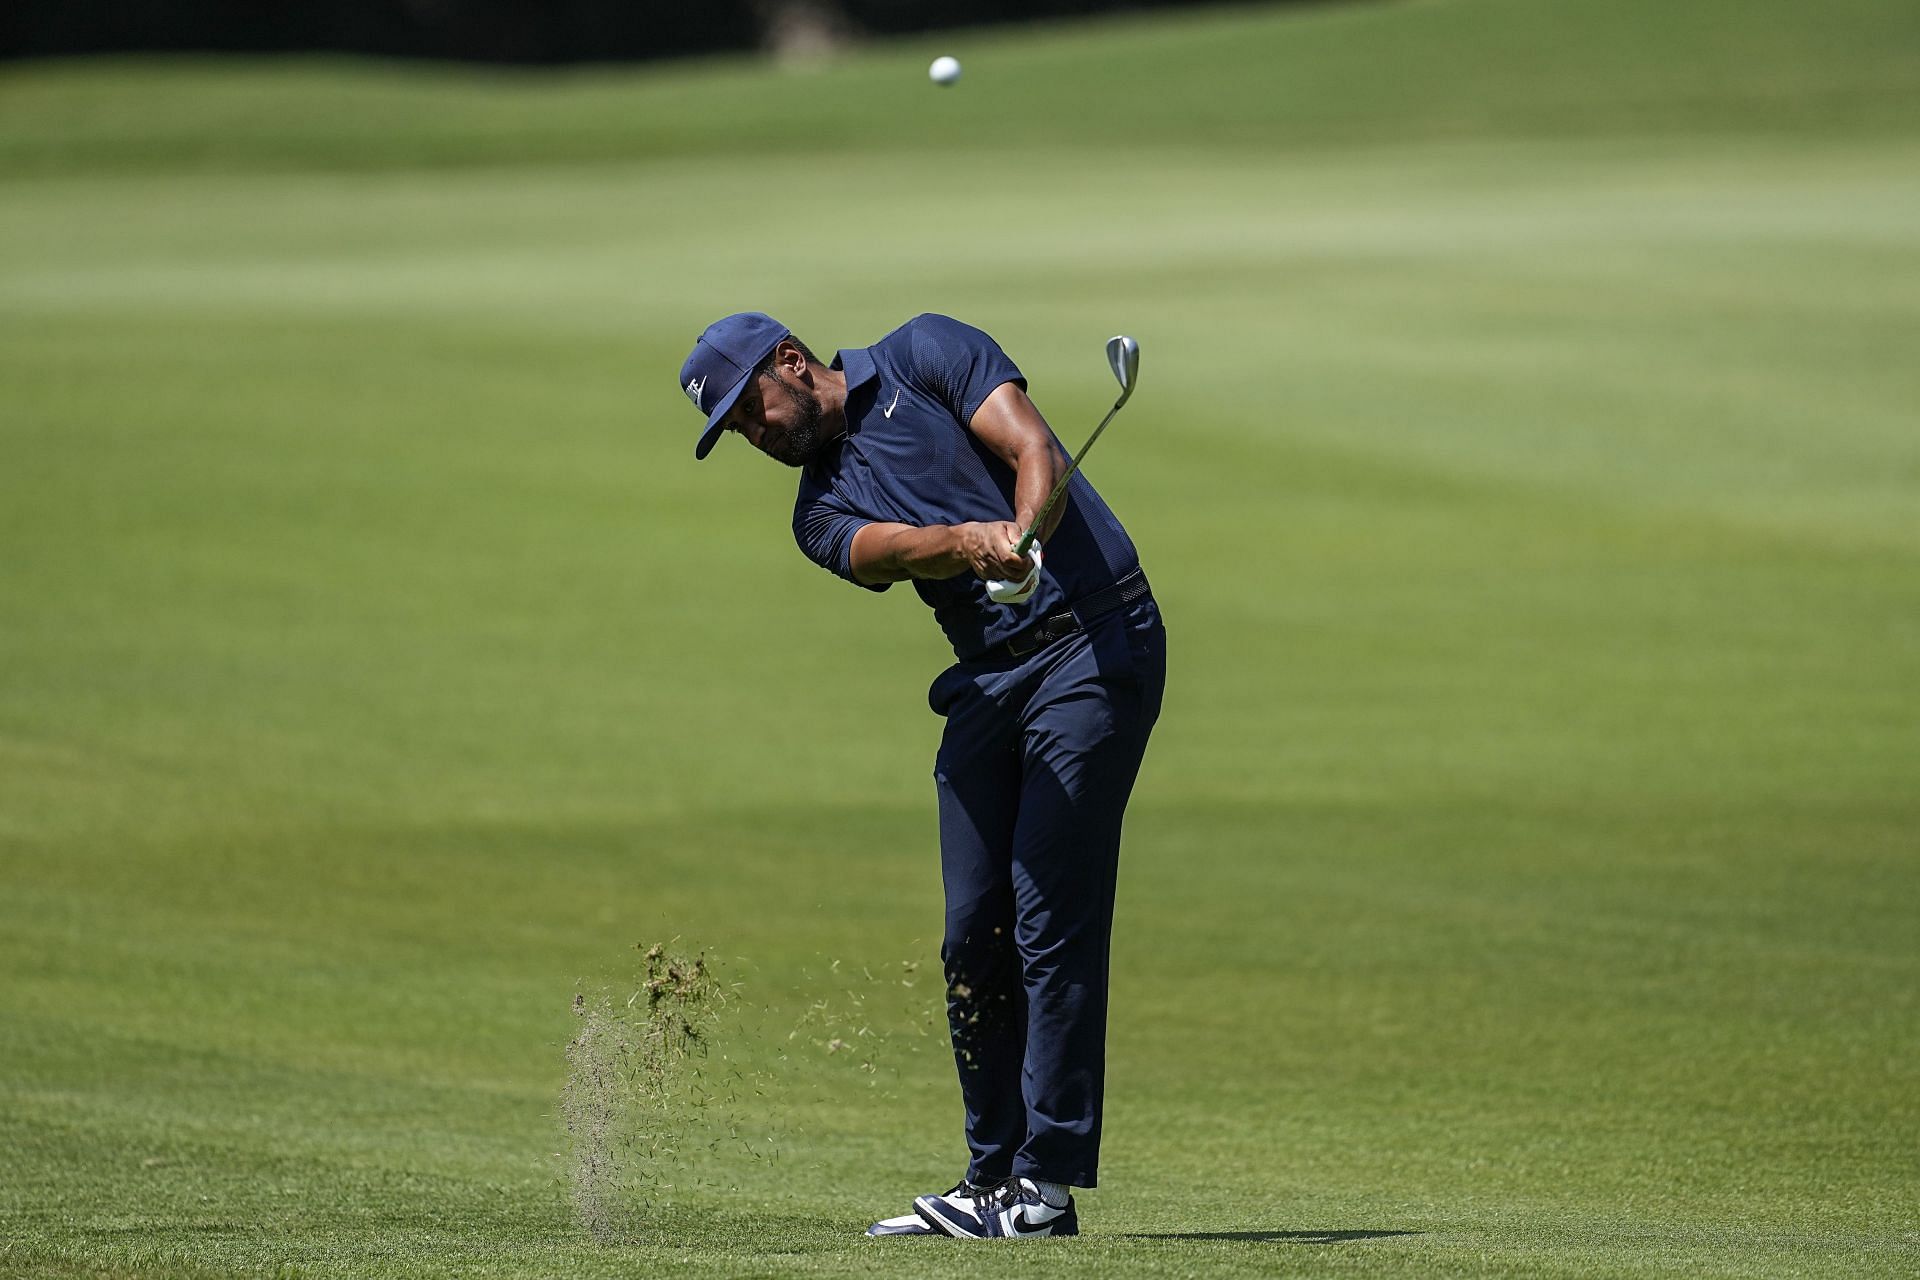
(634, 1094)
(656, 1107)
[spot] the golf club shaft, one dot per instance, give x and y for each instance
(1060, 485)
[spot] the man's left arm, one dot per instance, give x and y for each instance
(1008, 423)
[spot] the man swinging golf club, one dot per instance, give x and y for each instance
(923, 460)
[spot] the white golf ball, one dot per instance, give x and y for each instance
(944, 70)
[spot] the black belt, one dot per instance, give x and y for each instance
(1056, 626)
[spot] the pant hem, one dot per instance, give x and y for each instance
(1082, 1181)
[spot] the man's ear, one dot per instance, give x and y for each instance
(793, 360)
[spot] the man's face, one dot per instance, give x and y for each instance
(779, 417)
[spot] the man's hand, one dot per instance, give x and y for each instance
(987, 547)
(1001, 591)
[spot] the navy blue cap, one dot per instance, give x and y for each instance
(716, 371)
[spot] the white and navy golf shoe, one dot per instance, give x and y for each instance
(1013, 1211)
(918, 1223)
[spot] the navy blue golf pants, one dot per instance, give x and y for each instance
(1034, 771)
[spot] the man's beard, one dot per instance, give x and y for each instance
(797, 444)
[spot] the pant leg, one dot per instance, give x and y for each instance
(977, 775)
(1085, 734)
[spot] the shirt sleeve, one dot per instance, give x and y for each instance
(824, 529)
(958, 365)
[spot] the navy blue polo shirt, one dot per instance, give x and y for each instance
(909, 458)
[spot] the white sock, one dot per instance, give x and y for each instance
(1054, 1193)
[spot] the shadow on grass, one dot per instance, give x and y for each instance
(1272, 1237)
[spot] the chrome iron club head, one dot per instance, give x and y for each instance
(1123, 354)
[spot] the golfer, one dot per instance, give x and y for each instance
(922, 460)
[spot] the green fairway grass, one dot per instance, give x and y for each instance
(1525, 876)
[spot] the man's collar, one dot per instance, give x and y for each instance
(857, 364)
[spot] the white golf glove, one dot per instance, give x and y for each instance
(1001, 591)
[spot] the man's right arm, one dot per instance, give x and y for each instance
(896, 552)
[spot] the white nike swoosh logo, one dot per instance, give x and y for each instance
(889, 409)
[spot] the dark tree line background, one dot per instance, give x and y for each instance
(507, 31)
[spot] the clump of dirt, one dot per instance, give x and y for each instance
(677, 1087)
(634, 1095)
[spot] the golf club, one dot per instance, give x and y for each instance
(1123, 355)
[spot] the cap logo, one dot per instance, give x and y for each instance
(694, 387)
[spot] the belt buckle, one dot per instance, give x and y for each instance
(1042, 632)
